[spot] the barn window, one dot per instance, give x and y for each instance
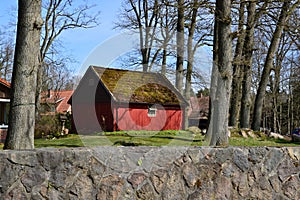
(152, 111)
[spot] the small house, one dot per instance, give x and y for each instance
(4, 107)
(199, 112)
(109, 99)
(53, 102)
(56, 102)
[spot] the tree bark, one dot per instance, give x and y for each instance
(190, 61)
(180, 46)
(223, 73)
(164, 62)
(284, 14)
(26, 62)
(213, 83)
(237, 72)
(247, 68)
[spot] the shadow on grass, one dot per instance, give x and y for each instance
(40, 145)
(283, 141)
(156, 139)
(124, 143)
(177, 138)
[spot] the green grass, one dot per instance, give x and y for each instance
(150, 138)
(132, 138)
(270, 142)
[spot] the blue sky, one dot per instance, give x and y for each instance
(100, 45)
(78, 43)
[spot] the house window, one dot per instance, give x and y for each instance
(152, 111)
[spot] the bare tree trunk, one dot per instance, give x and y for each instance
(26, 62)
(6, 57)
(280, 124)
(213, 83)
(164, 62)
(180, 46)
(39, 86)
(145, 60)
(285, 12)
(166, 21)
(289, 111)
(220, 103)
(146, 33)
(247, 68)
(281, 53)
(190, 62)
(237, 73)
(275, 90)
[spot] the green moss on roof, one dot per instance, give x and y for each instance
(138, 87)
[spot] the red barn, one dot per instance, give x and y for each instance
(112, 99)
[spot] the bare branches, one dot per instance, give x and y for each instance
(61, 15)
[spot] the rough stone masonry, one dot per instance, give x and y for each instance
(151, 173)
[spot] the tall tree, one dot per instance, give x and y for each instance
(142, 16)
(167, 23)
(294, 93)
(213, 81)
(59, 16)
(241, 98)
(190, 54)
(237, 72)
(180, 46)
(198, 28)
(6, 59)
(172, 20)
(246, 102)
(286, 10)
(221, 75)
(26, 62)
(6, 53)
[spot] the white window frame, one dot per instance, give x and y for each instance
(152, 111)
(4, 100)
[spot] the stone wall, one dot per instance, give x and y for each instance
(151, 173)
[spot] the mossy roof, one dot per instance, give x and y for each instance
(139, 87)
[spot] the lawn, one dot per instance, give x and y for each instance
(150, 138)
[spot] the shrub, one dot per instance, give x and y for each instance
(47, 126)
(68, 122)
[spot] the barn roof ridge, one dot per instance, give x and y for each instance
(92, 67)
(125, 70)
